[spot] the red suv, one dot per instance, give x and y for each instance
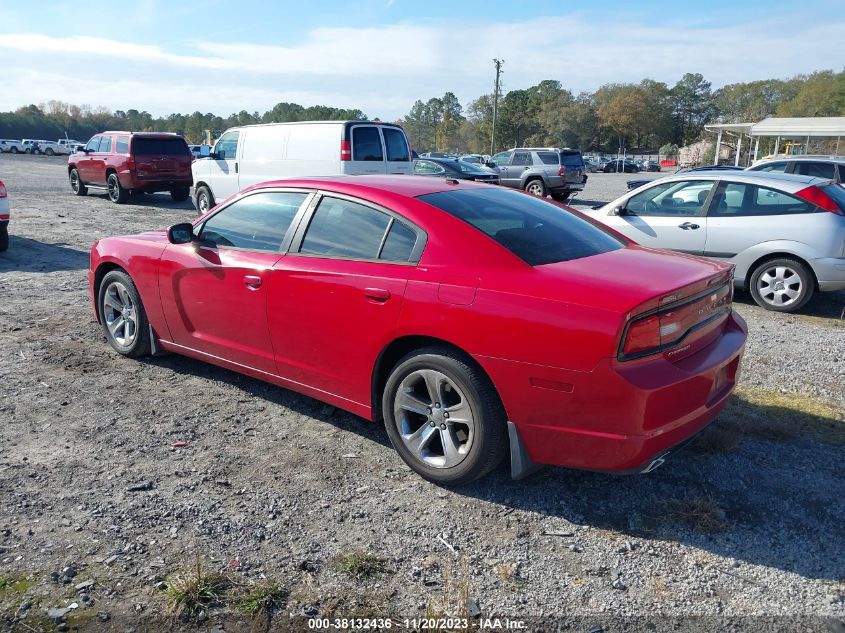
(126, 163)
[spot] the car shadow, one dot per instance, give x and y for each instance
(750, 497)
(741, 490)
(149, 200)
(824, 305)
(28, 255)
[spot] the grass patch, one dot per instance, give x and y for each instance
(260, 598)
(193, 590)
(16, 584)
(362, 565)
(451, 602)
(780, 417)
(703, 514)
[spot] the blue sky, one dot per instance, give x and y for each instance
(381, 55)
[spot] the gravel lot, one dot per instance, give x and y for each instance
(272, 487)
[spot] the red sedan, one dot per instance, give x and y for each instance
(476, 321)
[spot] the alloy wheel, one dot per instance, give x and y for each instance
(120, 314)
(114, 188)
(535, 188)
(74, 181)
(434, 418)
(779, 286)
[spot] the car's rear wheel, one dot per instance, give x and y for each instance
(561, 196)
(122, 315)
(4, 237)
(782, 285)
(117, 193)
(181, 194)
(76, 183)
(14, 150)
(536, 187)
(50, 151)
(444, 417)
(205, 200)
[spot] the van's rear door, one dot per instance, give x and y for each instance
(367, 149)
(397, 150)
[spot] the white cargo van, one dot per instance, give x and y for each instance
(250, 154)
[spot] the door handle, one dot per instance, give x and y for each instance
(236, 168)
(253, 282)
(688, 225)
(377, 294)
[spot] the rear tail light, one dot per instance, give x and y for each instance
(3, 192)
(561, 171)
(816, 196)
(345, 150)
(130, 163)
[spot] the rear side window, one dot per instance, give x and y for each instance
(426, 167)
(770, 202)
(817, 170)
(366, 143)
(122, 145)
(549, 158)
(257, 222)
(341, 228)
(778, 168)
(536, 231)
(399, 243)
(159, 147)
(396, 144)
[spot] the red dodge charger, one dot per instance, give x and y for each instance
(478, 322)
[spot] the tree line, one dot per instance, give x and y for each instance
(645, 115)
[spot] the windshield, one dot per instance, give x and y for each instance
(536, 231)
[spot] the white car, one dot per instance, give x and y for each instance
(4, 217)
(250, 154)
(11, 146)
(65, 146)
(785, 233)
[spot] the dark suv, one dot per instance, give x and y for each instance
(125, 163)
(543, 171)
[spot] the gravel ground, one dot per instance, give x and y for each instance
(100, 507)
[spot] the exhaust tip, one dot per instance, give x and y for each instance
(656, 463)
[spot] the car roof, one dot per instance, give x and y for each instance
(815, 158)
(400, 184)
(791, 182)
(143, 134)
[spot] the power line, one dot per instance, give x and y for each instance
(498, 64)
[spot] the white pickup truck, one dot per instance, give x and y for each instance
(67, 145)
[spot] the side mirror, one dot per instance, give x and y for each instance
(181, 233)
(490, 163)
(214, 155)
(618, 211)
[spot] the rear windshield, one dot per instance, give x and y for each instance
(160, 147)
(537, 232)
(572, 159)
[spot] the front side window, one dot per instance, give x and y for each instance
(345, 229)
(501, 159)
(534, 230)
(816, 170)
(366, 143)
(521, 158)
(684, 198)
(257, 222)
(227, 146)
(105, 144)
(396, 144)
(93, 144)
(427, 167)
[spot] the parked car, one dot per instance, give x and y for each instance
(438, 155)
(67, 146)
(346, 282)
(5, 216)
(11, 146)
(650, 165)
(784, 233)
(454, 168)
(50, 148)
(30, 146)
(247, 155)
(621, 165)
(591, 165)
(832, 167)
(126, 163)
(542, 171)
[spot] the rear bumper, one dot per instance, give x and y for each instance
(618, 417)
(130, 180)
(830, 272)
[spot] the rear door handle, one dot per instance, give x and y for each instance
(688, 225)
(252, 282)
(377, 294)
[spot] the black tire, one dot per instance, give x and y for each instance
(785, 275)
(181, 194)
(139, 345)
(204, 197)
(489, 435)
(14, 150)
(4, 237)
(537, 187)
(117, 193)
(561, 196)
(50, 152)
(76, 185)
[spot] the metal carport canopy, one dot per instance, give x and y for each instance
(830, 126)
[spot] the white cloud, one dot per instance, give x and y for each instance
(383, 70)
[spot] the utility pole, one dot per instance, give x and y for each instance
(498, 64)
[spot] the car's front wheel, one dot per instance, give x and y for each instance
(117, 193)
(122, 315)
(782, 285)
(444, 417)
(76, 185)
